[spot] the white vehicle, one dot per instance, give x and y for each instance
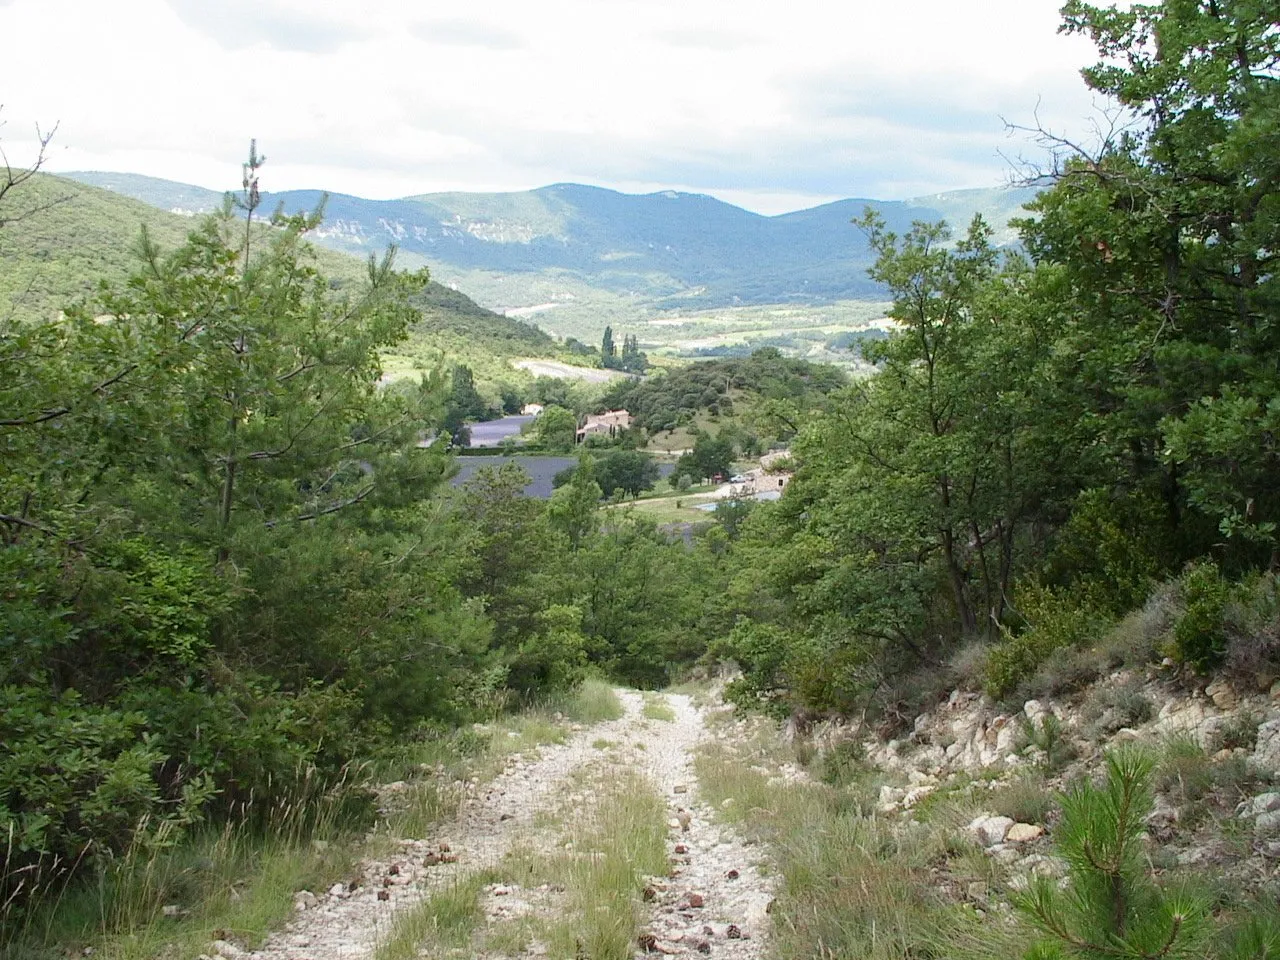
(738, 479)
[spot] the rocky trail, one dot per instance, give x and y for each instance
(714, 900)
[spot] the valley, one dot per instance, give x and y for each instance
(610, 574)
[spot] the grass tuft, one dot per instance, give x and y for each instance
(657, 708)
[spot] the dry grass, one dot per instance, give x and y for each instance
(853, 884)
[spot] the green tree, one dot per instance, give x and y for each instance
(710, 457)
(1111, 907)
(556, 429)
(607, 349)
(628, 470)
(572, 509)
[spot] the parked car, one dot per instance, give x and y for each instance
(738, 478)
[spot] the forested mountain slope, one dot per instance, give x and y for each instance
(85, 235)
(666, 246)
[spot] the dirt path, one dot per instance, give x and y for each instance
(715, 901)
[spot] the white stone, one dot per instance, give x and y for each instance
(990, 830)
(1267, 825)
(1024, 833)
(1035, 711)
(1266, 753)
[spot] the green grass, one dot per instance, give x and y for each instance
(621, 844)
(657, 708)
(445, 919)
(852, 884)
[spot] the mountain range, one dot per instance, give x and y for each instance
(666, 250)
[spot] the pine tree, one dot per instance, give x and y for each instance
(1111, 908)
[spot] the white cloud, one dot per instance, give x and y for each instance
(747, 99)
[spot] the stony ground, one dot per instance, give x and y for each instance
(714, 900)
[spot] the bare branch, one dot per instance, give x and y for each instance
(11, 177)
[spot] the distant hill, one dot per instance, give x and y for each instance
(90, 235)
(667, 249)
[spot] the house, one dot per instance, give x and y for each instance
(531, 410)
(607, 424)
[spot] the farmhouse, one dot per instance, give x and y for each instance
(607, 424)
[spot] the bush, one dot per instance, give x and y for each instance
(1199, 640)
(1252, 627)
(1055, 620)
(1113, 706)
(1141, 636)
(1185, 773)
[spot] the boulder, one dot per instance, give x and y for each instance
(1024, 833)
(1266, 753)
(1220, 692)
(991, 830)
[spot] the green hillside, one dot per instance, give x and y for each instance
(90, 235)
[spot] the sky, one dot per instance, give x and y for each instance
(771, 105)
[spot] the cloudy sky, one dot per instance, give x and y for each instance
(772, 105)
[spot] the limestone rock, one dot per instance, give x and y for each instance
(1220, 692)
(915, 795)
(1024, 833)
(991, 830)
(1035, 711)
(1266, 753)
(1267, 825)
(890, 797)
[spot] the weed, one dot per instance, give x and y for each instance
(1184, 772)
(445, 919)
(1027, 800)
(602, 744)
(657, 708)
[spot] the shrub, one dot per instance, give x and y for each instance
(1065, 670)
(1143, 634)
(1199, 640)
(1027, 800)
(842, 764)
(1185, 772)
(1252, 628)
(1113, 706)
(1055, 620)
